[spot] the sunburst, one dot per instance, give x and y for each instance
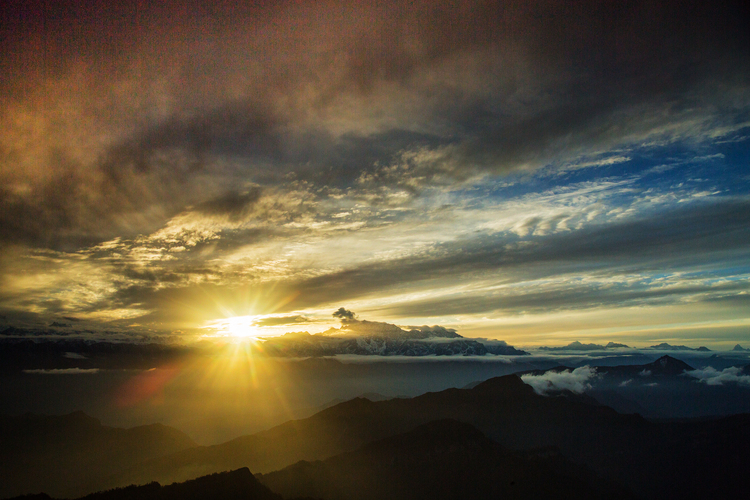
(236, 327)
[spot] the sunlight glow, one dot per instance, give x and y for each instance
(238, 327)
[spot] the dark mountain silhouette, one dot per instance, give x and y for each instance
(662, 389)
(654, 459)
(25, 354)
(578, 346)
(624, 448)
(301, 344)
(739, 348)
(668, 347)
(235, 485)
(382, 339)
(444, 459)
(666, 366)
(58, 454)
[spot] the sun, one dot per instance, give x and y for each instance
(237, 327)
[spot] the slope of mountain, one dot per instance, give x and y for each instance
(625, 448)
(22, 354)
(664, 366)
(302, 344)
(668, 347)
(444, 459)
(235, 485)
(58, 454)
(665, 388)
(504, 408)
(578, 346)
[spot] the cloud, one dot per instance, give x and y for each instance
(74, 355)
(576, 381)
(438, 331)
(371, 328)
(426, 144)
(685, 233)
(233, 204)
(712, 376)
(344, 315)
(444, 90)
(281, 320)
(64, 371)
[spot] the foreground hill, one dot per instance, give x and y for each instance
(235, 485)
(445, 459)
(656, 460)
(504, 408)
(58, 454)
(682, 460)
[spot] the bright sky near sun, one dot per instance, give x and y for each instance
(537, 172)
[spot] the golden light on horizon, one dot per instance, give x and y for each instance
(236, 327)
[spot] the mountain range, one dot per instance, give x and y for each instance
(578, 346)
(665, 388)
(651, 458)
(56, 454)
(425, 443)
(239, 484)
(369, 338)
(306, 345)
(444, 459)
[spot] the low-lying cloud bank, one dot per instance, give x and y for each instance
(576, 381)
(712, 376)
(64, 371)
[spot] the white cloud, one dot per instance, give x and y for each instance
(576, 381)
(712, 376)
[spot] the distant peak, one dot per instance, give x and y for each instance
(664, 346)
(507, 384)
(669, 365)
(615, 345)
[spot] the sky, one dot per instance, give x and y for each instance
(536, 172)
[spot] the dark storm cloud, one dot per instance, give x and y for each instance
(548, 80)
(75, 208)
(344, 315)
(240, 128)
(232, 203)
(152, 274)
(184, 132)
